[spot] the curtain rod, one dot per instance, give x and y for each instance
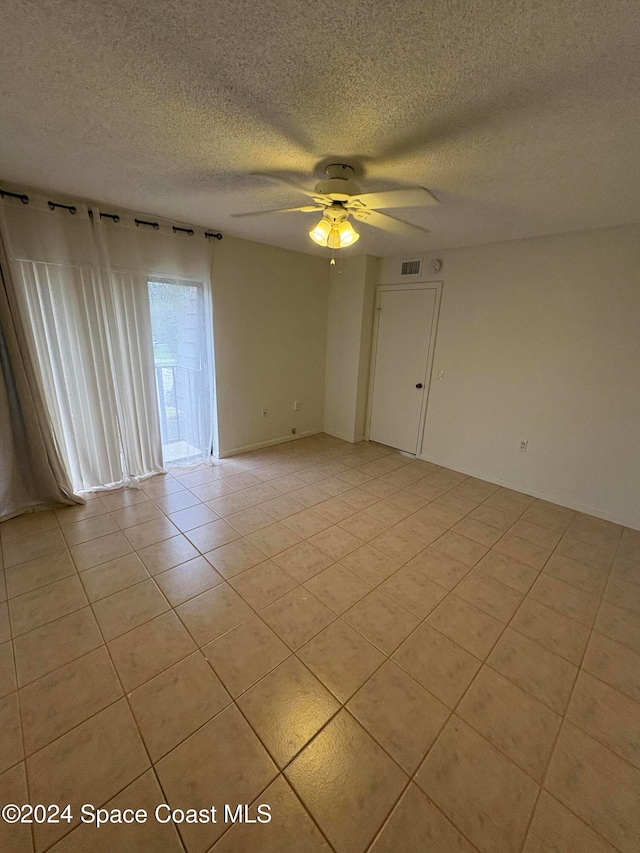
(23, 198)
(70, 207)
(114, 217)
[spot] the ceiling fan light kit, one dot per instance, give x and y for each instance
(334, 230)
(348, 235)
(320, 234)
(338, 196)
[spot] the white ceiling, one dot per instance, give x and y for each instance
(523, 118)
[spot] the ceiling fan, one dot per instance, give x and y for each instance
(338, 197)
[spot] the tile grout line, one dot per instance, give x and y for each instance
(24, 751)
(135, 721)
(268, 558)
(124, 695)
(25, 756)
(483, 663)
(342, 706)
(388, 658)
(293, 758)
(339, 616)
(126, 698)
(552, 752)
(452, 711)
(233, 702)
(375, 587)
(453, 714)
(564, 718)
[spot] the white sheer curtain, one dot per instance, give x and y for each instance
(64, 305)
(83, 285)
(133, 365)
(32, 471)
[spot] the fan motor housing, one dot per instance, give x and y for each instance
(338, 184)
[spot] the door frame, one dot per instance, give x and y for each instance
(380, 289)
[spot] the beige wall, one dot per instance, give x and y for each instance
(270, 320)
(540, 340)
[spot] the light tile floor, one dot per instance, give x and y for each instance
(394, 656)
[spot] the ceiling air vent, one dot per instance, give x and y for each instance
(411, 267)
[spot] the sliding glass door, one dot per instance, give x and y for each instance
(180, 322)
(124, 355)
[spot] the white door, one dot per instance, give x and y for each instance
(405, 328)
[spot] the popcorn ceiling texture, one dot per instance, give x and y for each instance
(521, 117)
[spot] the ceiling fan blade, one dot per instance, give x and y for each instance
(390, 223)
(414, 197)
(307, 208)
(286, 182)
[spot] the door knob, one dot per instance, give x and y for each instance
(419, 385)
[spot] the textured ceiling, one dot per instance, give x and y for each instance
(523, 118)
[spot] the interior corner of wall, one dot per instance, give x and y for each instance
(373, 265)
(351, 437)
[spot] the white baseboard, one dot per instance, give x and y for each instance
(546, 496)
(354, 439)
(234, 451)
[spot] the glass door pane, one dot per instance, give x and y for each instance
(183, 370)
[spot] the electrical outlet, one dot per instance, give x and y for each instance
(524, 444)
(440, 375)
(264, 413)
(296, 405)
